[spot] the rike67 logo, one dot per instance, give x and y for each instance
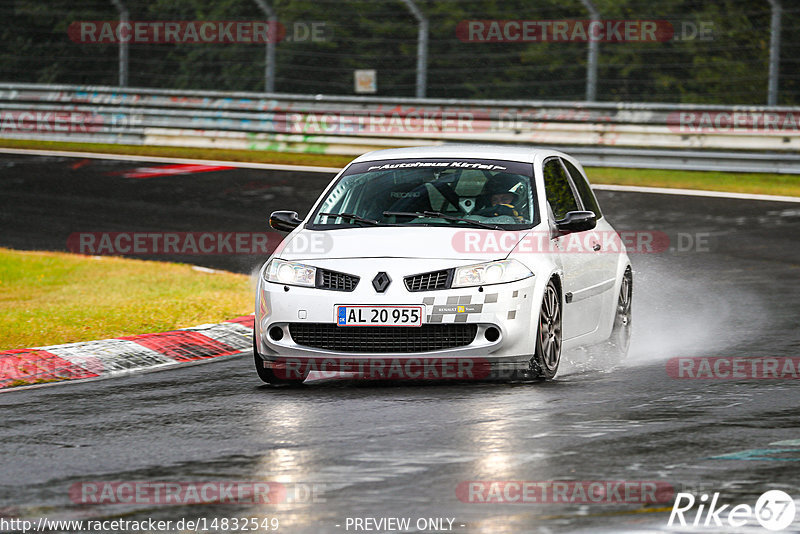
(774, 510)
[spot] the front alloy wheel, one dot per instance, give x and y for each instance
(620, 340)
(548, 336)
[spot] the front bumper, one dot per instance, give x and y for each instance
(504, 309)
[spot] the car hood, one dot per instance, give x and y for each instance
(461, 243)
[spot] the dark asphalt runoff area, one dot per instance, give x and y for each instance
(346, 450)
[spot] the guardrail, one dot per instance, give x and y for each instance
(702, 137)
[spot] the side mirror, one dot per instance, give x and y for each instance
(284, 221)
(576, 221)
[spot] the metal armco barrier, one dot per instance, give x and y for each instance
(669, 136)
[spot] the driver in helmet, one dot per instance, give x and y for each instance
(501, 191)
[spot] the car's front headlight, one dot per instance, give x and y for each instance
(493, 272)
(290, 273)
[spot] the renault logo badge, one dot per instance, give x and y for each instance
(381, 282)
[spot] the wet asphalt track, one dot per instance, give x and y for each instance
(402, 449)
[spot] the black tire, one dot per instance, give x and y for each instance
(268, 375)
(547, 355)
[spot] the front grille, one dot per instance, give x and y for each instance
(429, 281)
(378, 339)
(336, 281)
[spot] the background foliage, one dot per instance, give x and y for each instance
(729, 68)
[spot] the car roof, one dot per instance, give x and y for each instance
(521, 153)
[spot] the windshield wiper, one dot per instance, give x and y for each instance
(440, 215)
(352, 217)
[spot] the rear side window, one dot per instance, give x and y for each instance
(585, 192)
(557, 189)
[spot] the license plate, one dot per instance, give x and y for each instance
(379, 315)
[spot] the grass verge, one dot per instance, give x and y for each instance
(48, 298)
(732, 182)
(757, 183)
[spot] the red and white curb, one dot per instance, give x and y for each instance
(123, 355)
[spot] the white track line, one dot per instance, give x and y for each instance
(333, 170)
(161, 159)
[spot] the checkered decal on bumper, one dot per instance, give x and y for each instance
(483, 307)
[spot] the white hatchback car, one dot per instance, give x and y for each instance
(454, 261)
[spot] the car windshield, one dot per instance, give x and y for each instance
(441, 192)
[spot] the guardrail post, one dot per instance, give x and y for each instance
(272, 20)
(422, 47)
(774, 53)
(123, 44)
(591, 58)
